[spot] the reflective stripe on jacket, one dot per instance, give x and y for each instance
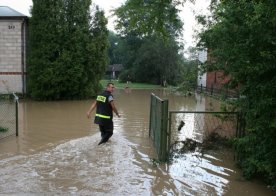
(104, 112)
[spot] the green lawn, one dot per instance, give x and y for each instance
(119, 85)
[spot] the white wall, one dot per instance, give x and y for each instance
(202, 58)
(11, 70)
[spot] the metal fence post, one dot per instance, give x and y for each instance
(16, 113)
(151, 97)
(164, 126)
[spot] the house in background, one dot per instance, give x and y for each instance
(13, 30)
(213, 82)
(212, 79)
(113, 71)
(215, 79)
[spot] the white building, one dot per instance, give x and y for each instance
(202, 77)
(13, 28)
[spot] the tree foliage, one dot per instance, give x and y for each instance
(242, 42)
(67, 49)
(99, 45)
(157, 61)
(149, 17)
(149, 31)
(120, 48)
(189, 73)
(150, 60)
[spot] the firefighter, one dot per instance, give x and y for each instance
(104, 113)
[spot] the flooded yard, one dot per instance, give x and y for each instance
(56, 153)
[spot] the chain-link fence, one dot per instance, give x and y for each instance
(8, 115)
(190, 130)
(199, 126)
(218, 92)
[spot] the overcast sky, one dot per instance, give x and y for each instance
(187, 13)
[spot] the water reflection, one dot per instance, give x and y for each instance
(57, 153)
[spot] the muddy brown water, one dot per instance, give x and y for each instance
(56, 153)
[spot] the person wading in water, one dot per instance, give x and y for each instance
(104, 112)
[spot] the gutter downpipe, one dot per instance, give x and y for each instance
(23, 54)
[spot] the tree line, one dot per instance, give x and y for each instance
(147, 43)
(70, 47)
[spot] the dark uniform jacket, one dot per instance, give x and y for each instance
(104, 113)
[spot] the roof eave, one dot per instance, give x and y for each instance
(14, 17)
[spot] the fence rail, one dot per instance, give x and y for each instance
(228, 93)
(8, 115)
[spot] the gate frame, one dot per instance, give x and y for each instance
(163, 148)
(165, 125)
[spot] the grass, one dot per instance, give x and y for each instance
(120, 85)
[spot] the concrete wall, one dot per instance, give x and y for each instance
(12, 55)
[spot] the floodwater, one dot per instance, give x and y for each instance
(56, 153)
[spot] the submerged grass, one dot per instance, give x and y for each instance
(3, 129)
(213, 142)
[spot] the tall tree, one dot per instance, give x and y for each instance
(241, 36)
(67, 49)
(44, 47)
(149, 17)
(117, 51)
(157, 61)
(99, 47)
(151, 30)
(74, 56)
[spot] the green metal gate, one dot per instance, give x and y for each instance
(158, 126)
(165, 129)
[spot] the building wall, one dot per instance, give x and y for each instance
(216, 79)
(202, 78)
(12, 56)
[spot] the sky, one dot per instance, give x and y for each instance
(186, 15)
